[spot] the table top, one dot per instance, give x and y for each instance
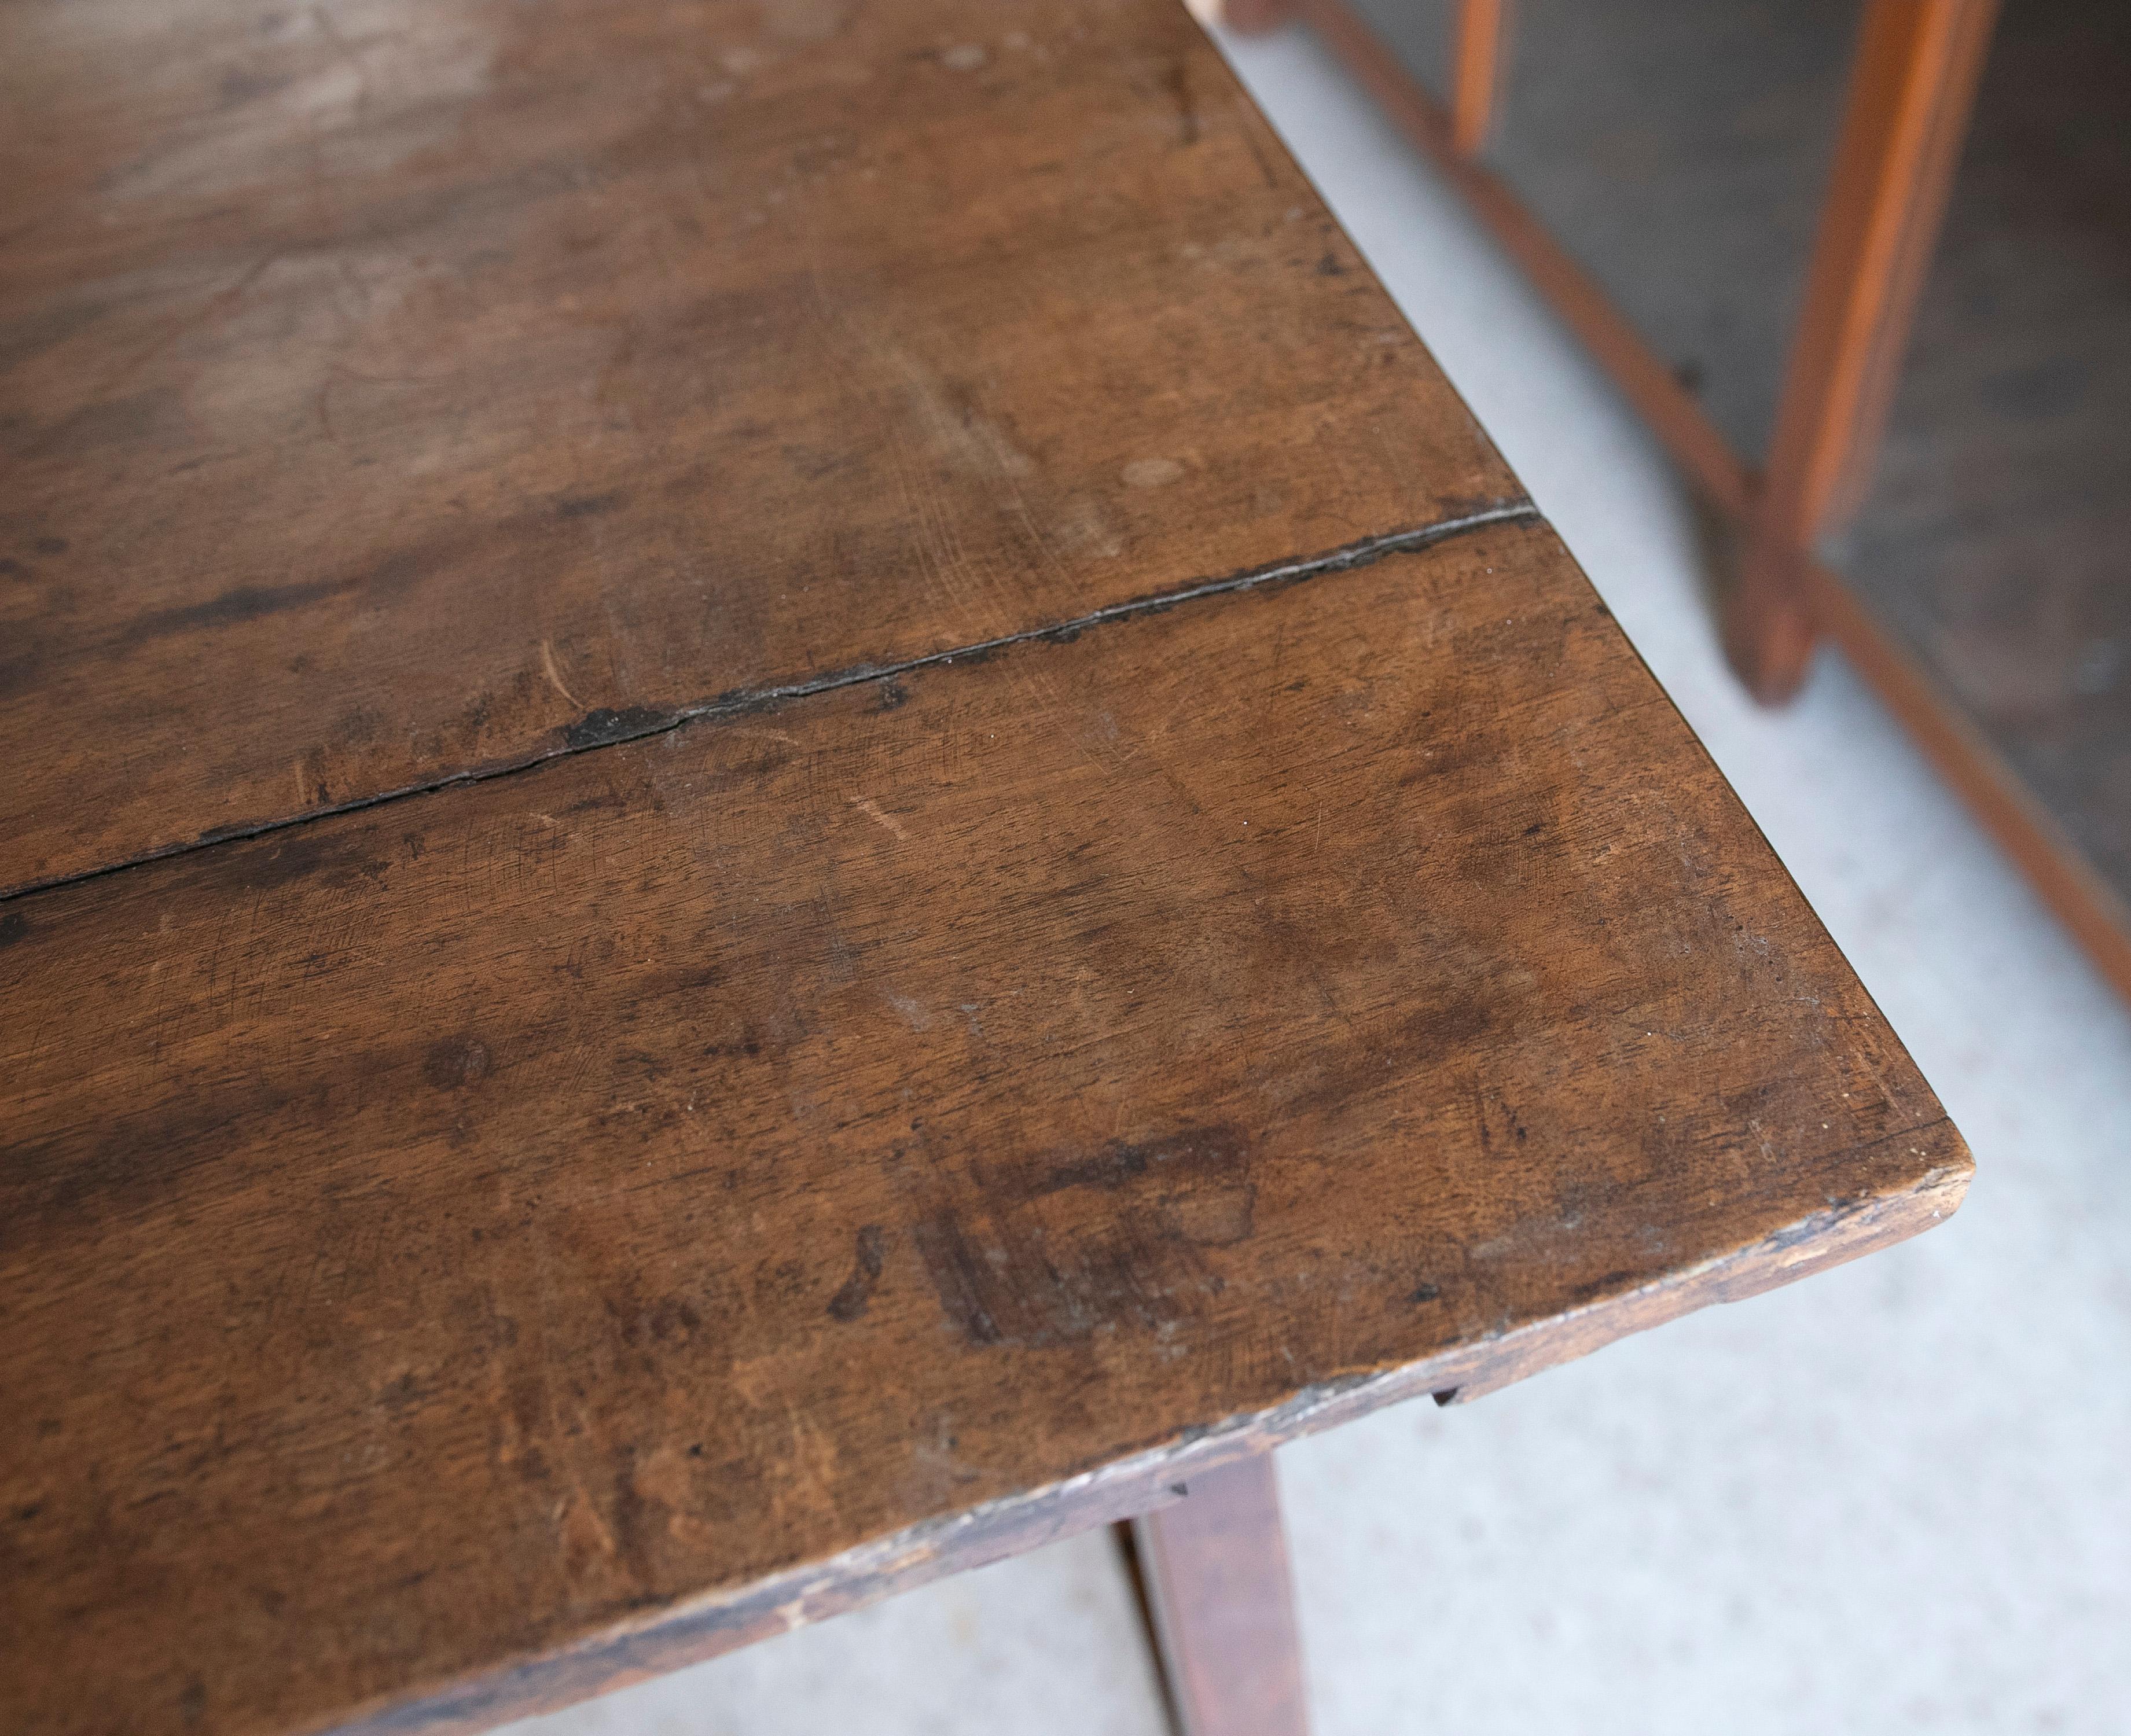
(401, 392)
(795, 804)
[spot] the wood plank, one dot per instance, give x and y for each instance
(456, 1255)
(394, 390)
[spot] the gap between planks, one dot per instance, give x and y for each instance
(608, 727)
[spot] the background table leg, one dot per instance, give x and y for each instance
(1918, 63)
(1214, 1569)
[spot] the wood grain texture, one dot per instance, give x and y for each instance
(459, 1253)
(388, 390)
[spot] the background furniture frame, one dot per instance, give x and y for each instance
(1912, 87)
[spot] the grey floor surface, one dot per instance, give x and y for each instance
(1892, 1499)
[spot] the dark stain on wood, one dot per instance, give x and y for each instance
(457, 1062)
(1066, 1245)
(245, 603)
(851, 1299)
(589, 506)
(1183, 1072)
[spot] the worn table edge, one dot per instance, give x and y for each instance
(694, 1629)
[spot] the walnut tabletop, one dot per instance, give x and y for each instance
(788, 802)
(401, 392)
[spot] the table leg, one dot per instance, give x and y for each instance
(1214, 1570)
(1476, 52)
(1916, 67)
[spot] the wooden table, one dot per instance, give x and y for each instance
(787, 803)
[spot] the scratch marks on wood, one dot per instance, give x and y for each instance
(183, 323)
(866, 805)
(458, 1063)
(1217, 1142)
(1152, 472)
(555, 675)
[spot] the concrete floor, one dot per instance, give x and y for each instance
(1890, 1498)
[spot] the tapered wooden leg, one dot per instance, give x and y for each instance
(1910, 93)
(1214, 1569)
(1476, 79)
(1770, 631)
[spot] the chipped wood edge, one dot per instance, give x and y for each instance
(692, 1630)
